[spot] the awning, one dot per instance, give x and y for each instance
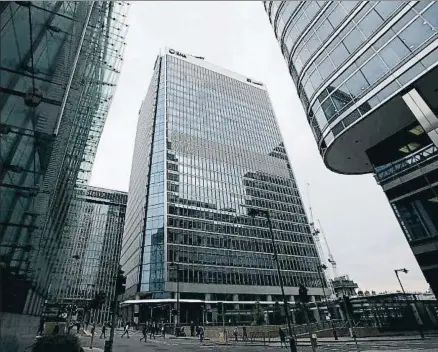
(195, 301)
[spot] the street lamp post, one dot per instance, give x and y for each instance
(404, 270)
(254, 212)
(322, 267)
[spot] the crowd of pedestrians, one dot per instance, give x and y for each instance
(153, 329)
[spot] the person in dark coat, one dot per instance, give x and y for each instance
(41, 327)
(282, 337)
(103, 331)
(245, 334)
(145, 332)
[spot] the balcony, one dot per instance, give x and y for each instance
(402, 166)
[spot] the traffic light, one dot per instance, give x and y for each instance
(120, 283)
(302, 293)
(98, 300)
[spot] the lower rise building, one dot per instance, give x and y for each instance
(90, 248)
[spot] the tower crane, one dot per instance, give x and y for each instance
(331, 259)
(315, 233)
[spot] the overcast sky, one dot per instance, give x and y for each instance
(362, 231)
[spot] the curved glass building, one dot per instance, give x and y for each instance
(366, 75)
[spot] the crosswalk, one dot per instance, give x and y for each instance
(160, 340)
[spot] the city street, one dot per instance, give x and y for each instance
(182, 345)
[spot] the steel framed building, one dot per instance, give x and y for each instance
(366, 75)
(59, 67)
(208, 149)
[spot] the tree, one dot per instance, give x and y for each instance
(258, 317)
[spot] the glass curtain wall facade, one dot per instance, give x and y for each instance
(59, 67)
(90, 249)
(207, 150)
(365, 73)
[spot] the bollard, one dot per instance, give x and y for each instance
(293, 345)
(314, 342)
(92, 335)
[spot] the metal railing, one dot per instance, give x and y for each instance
(406, 164)
(267, 336)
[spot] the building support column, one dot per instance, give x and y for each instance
(136, 310)
(236, 298)
(292, 300)
(423, 113)
(175, 307)
(316, 311)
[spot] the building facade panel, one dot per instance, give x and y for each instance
(60, 62)
(134, 234)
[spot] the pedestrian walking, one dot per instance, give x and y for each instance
(235, 334)
(163, 331)
(152, 331)
(41, 327)
(145, 332)
(93, 329)
(78, 327)
(126, 331)
(244, 334)
(201, 334)
(192, 329)
(282, 337)
(56, 330)
(103, 331)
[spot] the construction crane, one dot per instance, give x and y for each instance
(315, 233)
(331, 259)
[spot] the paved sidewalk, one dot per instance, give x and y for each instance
(346, 339)
(94, 349)
(408, 350)
(368, 339)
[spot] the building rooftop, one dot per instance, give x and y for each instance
(200, 61)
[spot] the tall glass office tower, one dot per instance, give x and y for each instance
(59, 67)
(366, 75)
(207, 150)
